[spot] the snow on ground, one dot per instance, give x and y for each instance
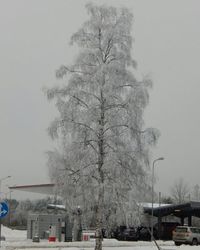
(13, 235)
(16, 240)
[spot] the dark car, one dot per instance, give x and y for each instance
(118, 232)
(144, 233)
(124, 233)
(130, 234)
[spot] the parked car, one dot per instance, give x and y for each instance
(124, 233)
(144, 233)
(186, 235)
(130, 234)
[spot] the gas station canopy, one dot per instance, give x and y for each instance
(39, 188)
(191, 208)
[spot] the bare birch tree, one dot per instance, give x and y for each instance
(105, 145)
(180, 191)
(195, 193)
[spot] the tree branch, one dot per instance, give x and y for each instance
(115, 126)
(81, 101)
(64, 69)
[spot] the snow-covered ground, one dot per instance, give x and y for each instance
(16, 239)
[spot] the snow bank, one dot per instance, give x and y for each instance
(16, 239)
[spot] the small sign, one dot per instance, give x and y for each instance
(3, 209)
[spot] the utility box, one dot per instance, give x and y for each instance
(39, 225)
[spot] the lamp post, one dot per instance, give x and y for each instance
(152, 193)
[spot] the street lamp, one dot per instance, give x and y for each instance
(2, 179)
(152, 193)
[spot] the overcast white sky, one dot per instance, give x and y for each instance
(34, 42)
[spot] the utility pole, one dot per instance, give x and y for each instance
(152, 193)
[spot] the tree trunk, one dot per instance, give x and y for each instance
(99, 212)
(99, 224)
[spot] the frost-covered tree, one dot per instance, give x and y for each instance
(180, 191)
(104, 143)
(195, 193)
